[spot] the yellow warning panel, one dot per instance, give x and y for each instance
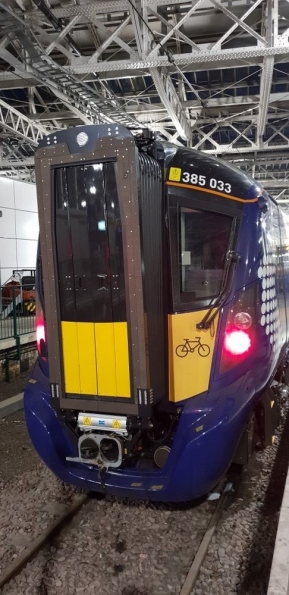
(87, 358)
(121, 359)
(86, 421)
(105, 359)
(116, 424)
(30, 306)
(70, 357)
(175, 174)
(190, 355)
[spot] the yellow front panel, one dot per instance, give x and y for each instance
(121, 359)
(105, 359)
(96, 358)
(70, 357)
(190, 355)
(87, 358)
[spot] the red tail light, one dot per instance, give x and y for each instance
(240, 330)
(40, 330)
(40, 334)
(237, 342)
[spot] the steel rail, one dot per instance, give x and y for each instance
(195, 567)
(39, 541)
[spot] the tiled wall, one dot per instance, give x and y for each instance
(18, 227)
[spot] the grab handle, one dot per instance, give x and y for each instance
(101, 278)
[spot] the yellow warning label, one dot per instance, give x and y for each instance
(87, 421)
(116, 424)
(175, 174)
(30, 306)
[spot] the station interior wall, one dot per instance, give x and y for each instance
(18, 227)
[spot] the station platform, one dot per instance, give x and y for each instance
(11, 405)
(10, 342)
(17, 354)
(279, 576)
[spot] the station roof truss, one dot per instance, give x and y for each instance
(209, 74)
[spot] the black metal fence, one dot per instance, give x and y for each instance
(17, 311)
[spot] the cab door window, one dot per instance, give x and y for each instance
(204, 241)
(199, 242)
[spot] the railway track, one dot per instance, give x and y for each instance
(197, 562)
(34, 547)
(120, 547)
(63, 520)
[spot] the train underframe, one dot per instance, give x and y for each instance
(175, 460)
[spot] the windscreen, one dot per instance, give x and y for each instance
(89, 244)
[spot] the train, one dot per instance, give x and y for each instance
(162, 318)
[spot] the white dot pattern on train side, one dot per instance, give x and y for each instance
(269, 309)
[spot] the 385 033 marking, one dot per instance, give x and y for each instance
(201, 180)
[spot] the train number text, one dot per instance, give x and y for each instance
(200, 180)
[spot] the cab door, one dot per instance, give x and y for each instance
(201, 234)
(91, 288)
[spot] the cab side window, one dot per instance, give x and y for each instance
(204, 239)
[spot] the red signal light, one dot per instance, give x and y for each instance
(41, 339)
(40, 334)
(237, 342)
(40, 330)
(239, 335)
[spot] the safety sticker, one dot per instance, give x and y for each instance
(30, 306)
(87, 421)
(175, 174)
(116, 424)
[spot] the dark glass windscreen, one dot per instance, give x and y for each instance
(89, 244)
(204, 242)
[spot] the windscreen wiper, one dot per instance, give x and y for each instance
(232, 261)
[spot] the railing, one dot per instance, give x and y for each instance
(17, 311)
(17, 323)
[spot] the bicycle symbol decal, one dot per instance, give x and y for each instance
(185, 348)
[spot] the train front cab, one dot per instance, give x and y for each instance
(129, 398)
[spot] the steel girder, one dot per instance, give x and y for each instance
(20, 125)
(174, 48)
(269, 184)
(160, 76)
(86, 103)
(171, 102)
(271, 31)
(194, 60)
(160, 66)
